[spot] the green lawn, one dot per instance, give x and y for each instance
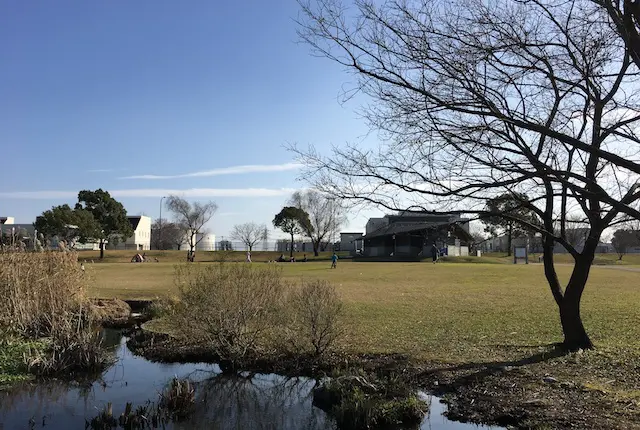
(453, 312)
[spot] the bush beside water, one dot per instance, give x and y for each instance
(242, 312)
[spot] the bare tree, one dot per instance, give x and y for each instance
(166, 234)
(191, 218)
(325, 215)
(625, 17)
(249, 233)
(477, 99)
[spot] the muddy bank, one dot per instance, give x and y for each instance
(119, 314)
(522, 395)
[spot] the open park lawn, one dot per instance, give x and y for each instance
(454, 312)
(483, 331)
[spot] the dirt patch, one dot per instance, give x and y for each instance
(112, 313)
(537, 392)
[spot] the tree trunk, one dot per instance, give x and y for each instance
(101, 249)
(509, 239)
(291, 247)
(192, 244)
(316, 247)
(575, 335)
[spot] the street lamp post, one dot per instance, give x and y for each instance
(160, 223)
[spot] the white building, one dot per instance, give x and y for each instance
(141, 238)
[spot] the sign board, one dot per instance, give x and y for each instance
(521, 252)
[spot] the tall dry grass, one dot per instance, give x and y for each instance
(39, 291)
(43, 296)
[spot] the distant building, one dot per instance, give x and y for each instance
(7, 220)
(412, 234)
(140, 240)
(501, 244)
(352, 242)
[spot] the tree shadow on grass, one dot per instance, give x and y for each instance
(474, 372)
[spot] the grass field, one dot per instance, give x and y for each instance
(453, 312)
(119, 256)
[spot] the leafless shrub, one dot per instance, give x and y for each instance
(315, 311)
(230, 307)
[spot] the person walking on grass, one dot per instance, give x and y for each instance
(434, 252)
(334, 261)
(248, 256)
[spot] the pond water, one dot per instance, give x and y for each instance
(239, 402)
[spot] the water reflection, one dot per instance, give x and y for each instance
(246, 401)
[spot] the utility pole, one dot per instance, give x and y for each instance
(160, 223)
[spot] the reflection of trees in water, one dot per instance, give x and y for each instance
(246, 401)
(111, 338)
(38, 396)
(251, 401)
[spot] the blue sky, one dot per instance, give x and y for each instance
(104, 94)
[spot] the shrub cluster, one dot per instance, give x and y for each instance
(242, 310)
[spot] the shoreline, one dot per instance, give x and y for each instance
(514, 395)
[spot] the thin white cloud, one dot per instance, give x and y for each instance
(233, 170)
(156, 192)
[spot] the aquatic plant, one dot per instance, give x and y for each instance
(178, 398)
(73, 349)
(360, 401)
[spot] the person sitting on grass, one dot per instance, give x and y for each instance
(334, 261)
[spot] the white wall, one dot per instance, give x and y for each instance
(141, 238)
